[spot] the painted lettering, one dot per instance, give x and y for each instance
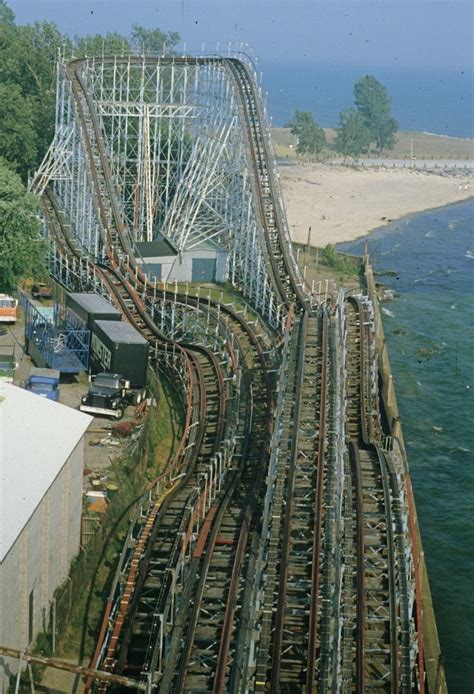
(100, 352)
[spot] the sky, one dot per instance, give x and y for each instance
(428, 35)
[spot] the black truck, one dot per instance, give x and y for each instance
(119, 357)
(110, 394)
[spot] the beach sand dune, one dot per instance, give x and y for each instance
(341, 204)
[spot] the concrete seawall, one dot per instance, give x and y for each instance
(435, 675)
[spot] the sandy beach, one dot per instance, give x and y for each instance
(341, 204)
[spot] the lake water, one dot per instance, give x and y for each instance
(430, 334)
(421, 100)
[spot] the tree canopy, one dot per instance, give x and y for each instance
(373, 103)
(153, 40)
(28, 74)
(20, 240)
(7, 15)
(352, 135)
(18, 142)
(310, 136)
(101, 44)
(28, 57)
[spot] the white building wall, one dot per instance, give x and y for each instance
(179, 268)
(39, 559)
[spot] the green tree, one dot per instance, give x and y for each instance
(18, 142)
(153, 40)
(6, 14)
(373, 103)
(310, 136)
(101, 44)
(28, 57)
(22, 246)
(353, 137)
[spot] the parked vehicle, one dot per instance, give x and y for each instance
(8, 365)
(41, 291)
(110, 394)
(8, 307)
(44, 382)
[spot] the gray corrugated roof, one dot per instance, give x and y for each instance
(121, 331)
(36, 438)
(160, 247)
(93, 303)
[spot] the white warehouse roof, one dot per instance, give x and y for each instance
(36, 438)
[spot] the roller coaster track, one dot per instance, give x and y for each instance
(181, 623)
(276, 237)
(287, 645)
(374, 527)
(163, 551)
(273, 220)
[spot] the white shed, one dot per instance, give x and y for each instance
(41, 470)
(207, 262)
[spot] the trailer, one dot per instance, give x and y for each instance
(89, 307)
(52, 341)
(117, 347)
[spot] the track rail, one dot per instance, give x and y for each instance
(295, 569)
(178, 625)
(137, 629)
(220, 555)
(275, 235)
(374, 527)
(279, 256)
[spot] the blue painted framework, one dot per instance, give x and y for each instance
(52, 338)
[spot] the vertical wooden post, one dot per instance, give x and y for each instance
(308, 244)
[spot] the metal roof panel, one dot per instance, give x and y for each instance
(37, 436)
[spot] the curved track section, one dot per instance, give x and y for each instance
(285, 271)
(284, 283)
(381, 616)
(296, 568)
(332, 580)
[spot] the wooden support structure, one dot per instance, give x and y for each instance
(99, 675)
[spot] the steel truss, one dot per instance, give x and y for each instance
(178, 151)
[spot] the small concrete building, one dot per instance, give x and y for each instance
(204, 263)
(41, 471)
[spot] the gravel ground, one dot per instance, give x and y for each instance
(97, 456)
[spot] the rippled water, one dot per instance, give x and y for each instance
(440, 102)
(430, 333)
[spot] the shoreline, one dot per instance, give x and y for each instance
(407, 215)
(342, 204)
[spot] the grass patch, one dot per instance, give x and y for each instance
(327, 264)
(81, 603)
(422, 145)
(338, 262)
(164, 430)
(222, 293)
